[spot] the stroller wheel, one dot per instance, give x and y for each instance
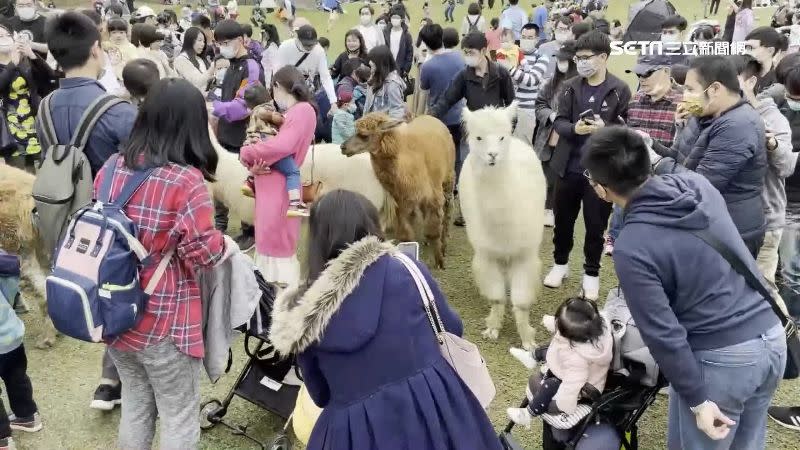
(209, 414)
(281, 442)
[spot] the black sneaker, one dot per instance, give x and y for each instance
(106, 397)
(246, 242)
(7, 444)
(459, 222)
(28, 424)
(785, 416)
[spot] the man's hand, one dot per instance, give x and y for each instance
(681, 115)
(771, 141)
(711, 421)
(334, 108)
(583, 128)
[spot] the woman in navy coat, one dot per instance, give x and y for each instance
(365, 347)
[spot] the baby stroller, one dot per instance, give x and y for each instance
(261, 380)
(631, 387)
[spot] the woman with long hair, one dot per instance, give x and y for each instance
(276, 235)
(546, 110)
(386, 92)
(745, 20)
(159, 359)
(354, 47)
(365, 346)
(270, 41)
(190, 64)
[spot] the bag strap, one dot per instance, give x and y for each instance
(425, 292)
(137, 178)
(46, 125)
(742, 269)
(90, 117)
(302, 58)
(159, 272)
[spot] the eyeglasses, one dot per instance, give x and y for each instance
(577, 58)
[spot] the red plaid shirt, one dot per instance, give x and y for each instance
(172, 209)
(656, 118)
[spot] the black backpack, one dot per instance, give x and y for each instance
(473, 27)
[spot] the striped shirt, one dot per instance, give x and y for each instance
(529, 77)
(656, 118)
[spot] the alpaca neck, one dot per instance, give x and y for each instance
(384, 162)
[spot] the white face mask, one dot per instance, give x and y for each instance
(471, 61)
(6, 44)
(227, 52)
(396, 22)
(527, 45)
(669, 38)
(563, 36)
(366, 19)
(563, 66)
(26, 12)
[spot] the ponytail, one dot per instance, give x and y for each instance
(291, 80)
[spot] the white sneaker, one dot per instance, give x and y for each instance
(591, 287)
(519, 416)
(549, 218)
(555, 278)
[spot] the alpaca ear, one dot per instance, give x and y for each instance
(511, 110)
(389, 125)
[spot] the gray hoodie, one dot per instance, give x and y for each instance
(781, 162)
(389, 99)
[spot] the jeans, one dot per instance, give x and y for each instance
(790, 268)
(13, 372)
(714, 8)
(616, 223)
(109, 372)
(448, 12)
(288, 167)
(571, 192)
(162, 382)
(741, 379)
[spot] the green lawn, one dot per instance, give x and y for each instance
(64, 378)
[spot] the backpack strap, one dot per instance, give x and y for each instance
(90, 117)
(134, 182)
(46, 125)
(159, 272)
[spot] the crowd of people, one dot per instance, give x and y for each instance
(703, 150)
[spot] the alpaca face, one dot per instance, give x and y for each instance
(489, 132)
(369, 130)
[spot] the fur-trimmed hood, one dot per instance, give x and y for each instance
(299, 321)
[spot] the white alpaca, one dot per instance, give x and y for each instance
(502, 192)
(333, 169)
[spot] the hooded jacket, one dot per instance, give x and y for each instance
(781, 162)
(681, 293)
(389, 98)
(495, 88)
(729, 151)
(577, 364)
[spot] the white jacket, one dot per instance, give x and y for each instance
(316, 63)
(184, 68)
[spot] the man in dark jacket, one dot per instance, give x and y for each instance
(764, 43)
(724, 141)
(231, 109)
(482, 83)
(715, 338)
(588, 102)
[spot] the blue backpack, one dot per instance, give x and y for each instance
(93, 291)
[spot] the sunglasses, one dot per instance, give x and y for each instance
(646, 75)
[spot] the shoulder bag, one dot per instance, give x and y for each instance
(755, 281)
(463, 355)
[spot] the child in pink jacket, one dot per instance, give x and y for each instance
(579, 353)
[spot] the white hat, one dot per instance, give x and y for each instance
(145, 11)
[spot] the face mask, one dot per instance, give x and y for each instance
(563, 36)
(381, 25)
(6, 44)
(586, 68)
(396, 23)
(221, 74)
(527, 45)
(563, 66)
(693, 105)
(471, 61)
(117, 39)
(227, 52)
(669, 38)
(366, 19)
(26, 12)
(794, 105)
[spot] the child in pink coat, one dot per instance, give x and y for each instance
(579, 353)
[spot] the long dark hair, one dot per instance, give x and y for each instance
(746, 4)
(385, 64)
(293, 82)
(172, 127)
(559, 77)
(579, 320)
(338, 219)
(362, 47)
(270, 32)
(189, 38)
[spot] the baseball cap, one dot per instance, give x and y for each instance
(145, 11)
(649, 63)
(307, 36)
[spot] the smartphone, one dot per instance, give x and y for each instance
(587, 116)
(622, 121)
(410, 249)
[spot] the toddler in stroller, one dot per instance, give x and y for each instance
(578, 360)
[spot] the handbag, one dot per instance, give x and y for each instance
(463, 355)
(305, 415)
(8, 143)
(755, 281)
(313, 189)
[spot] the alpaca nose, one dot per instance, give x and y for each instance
(493, 156)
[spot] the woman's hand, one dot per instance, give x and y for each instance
(260, 168)
(26, 50)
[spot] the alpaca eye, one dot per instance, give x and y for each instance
(502, 137)
(478, 138)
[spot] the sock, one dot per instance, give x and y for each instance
(294, 196)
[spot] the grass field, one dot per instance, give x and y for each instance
(64, 378)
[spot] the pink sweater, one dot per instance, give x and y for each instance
(577, 364)
(276, 235)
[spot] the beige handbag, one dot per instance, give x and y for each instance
(305, 415)
(462, 354)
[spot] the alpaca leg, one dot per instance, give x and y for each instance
(433, 213)
(404, 230)
(448, 206)
(492, 285)
(524, 274)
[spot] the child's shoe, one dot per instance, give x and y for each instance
(27, 424)
(249, 188)
(519, 416)
(7, 444)
(297, 209)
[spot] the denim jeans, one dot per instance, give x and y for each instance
(616, 223)
(741, 379)
(790, 268)
(288, 167)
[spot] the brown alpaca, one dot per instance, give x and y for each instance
(18, 236)
(415, 164)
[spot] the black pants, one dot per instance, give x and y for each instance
(457, 134)
(569, 193)
(714, 8)
(550, 177)
(543, 389)
(13, 371)
(221, 211)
